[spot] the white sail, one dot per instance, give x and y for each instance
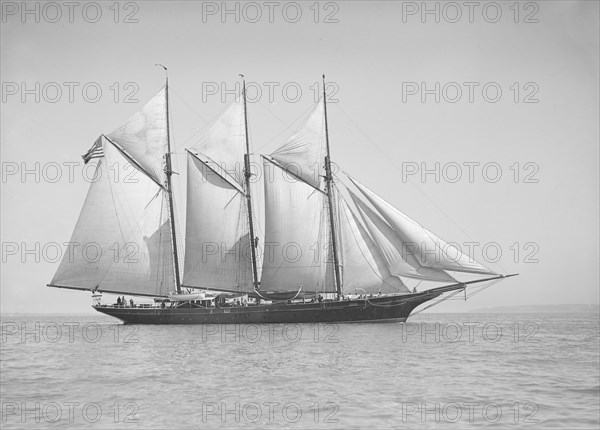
(224, 142)
(393, 249)
(303, 153)
(144, 136)
(295, 237)
(217, 246)
(364, 270)
(122, 241)
(429, 249)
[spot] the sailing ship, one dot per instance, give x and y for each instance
(332, 250)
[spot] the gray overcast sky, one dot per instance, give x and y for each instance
(540, 131)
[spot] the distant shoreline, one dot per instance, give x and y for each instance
(568, 308)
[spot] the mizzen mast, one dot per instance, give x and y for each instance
(169, 187)
(328, 182)
(247, 176)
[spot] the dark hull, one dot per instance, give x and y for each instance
(379, 309)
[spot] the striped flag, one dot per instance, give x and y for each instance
(95, 151)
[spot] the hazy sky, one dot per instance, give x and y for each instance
(517, 91)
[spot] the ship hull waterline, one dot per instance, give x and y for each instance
(373, 309)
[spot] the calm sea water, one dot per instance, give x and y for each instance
(439, 370)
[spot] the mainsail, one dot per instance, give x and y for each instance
(296, 239)
(217, 239)
(218, 245)
(121, 242)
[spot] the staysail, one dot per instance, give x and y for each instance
(364, 269)
(122, 241)
(429, 249)
(393, 249)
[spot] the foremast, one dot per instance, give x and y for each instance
(169, 188)
(247, 176)
(328, 185)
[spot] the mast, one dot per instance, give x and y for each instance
(328, 181)
(169, 172)
(247, 175)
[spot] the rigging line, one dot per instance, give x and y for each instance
(482, 288)
(439, 301)
(203, 129)
(185, 103)
(391, 160)
(288, 127)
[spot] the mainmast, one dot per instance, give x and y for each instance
(328, 182)
(247, 175)
(169, 187)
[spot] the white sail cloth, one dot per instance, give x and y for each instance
(364, 269)
(295, 247)
(217, 247)
(393, 249)
(224, 143)
(122, 241)
(303, 153)
(430, 250)
(144, 136)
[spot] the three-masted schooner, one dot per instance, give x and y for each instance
(332, 250)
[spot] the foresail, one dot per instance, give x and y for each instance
(429, 249)
(122, 240)
(295, 249)
(144, 137)
(393, 249)
(364, 270)
(217, 248)
(303, 153)
(224, 142)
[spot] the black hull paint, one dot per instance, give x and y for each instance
(380, 309)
